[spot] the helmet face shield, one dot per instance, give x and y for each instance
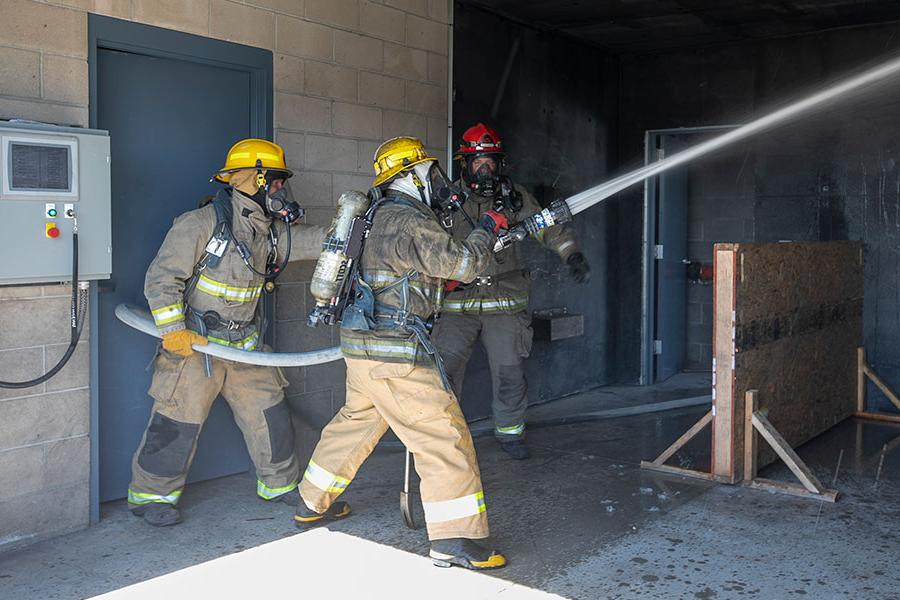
(441, 190)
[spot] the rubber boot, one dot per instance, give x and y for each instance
(158, 514)
(516, 449)
(464, 553)
(306, 518)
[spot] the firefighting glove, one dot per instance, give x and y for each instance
(579, 268)
(180, 342)
(493, 221)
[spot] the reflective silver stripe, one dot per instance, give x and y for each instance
(378, 279)
(168, 314)
(141, 498)
(408, 351)
(565, 245)
(264, 491)
(459, 508)
(460, 272)
(325, 480)
(508, 304)
(513, 430)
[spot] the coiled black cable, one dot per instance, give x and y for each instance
(78, 309)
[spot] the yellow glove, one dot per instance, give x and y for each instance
(179, 342)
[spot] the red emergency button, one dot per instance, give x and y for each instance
(52, 230)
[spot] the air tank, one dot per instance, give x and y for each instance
(330, 266)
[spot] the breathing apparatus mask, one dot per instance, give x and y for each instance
(274, 195)
(481, 173)
(430, 183)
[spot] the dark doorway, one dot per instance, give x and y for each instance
(173, 104)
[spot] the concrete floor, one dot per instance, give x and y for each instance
(579, 520)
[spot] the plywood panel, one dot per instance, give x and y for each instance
(797, 310)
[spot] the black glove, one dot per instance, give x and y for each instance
(579, 268)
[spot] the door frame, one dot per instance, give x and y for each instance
(108, 33)
(648, 244)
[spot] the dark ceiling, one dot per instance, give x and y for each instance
(649, 25)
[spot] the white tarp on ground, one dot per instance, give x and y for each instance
(325, 564)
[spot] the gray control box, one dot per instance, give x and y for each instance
(50, 178)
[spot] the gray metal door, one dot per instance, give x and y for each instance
(671, 278)
(170, 123)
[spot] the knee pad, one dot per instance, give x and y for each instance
(512, 381)
(168, 446)
(281, 431)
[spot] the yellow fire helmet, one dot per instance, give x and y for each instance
(253, 154)
(396, 156)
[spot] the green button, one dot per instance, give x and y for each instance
(51, 212)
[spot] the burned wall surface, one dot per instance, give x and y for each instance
(556, 114)
(831, 175)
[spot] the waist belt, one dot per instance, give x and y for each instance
(392, 318)
(490, 280)
(211, 321)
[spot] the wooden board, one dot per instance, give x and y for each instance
(795, 314)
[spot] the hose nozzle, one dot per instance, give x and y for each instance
(558, 212)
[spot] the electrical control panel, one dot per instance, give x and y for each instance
(53, 179)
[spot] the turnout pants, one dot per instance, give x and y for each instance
(507, 340)
(411, 400)
(183, 396)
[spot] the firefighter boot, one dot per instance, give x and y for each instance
(464, 553)
(516, 449)
(158, 514)
(292, 497)
(306, 518)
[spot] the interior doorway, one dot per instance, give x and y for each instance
(173, 104)
(686, 211)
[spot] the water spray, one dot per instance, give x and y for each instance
(584, 200)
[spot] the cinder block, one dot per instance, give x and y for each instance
(313, 188)
(21, 471)
(365, 159)
(437, 132)
(426, 34)
(381, 21)
(301, 38)
(20, 72)
(25, 421)
(301, 113)
(289, 7)
(296, 336)
(76, 373)
(319, 216)
(419, 7)
(405, 62)
(43, 514)
(241, 23)
(57, 290)
(426, 98)
(183, 15)
(343, 13)
(437, 68)
(65, 79)
(33, 322)
(45, 112)
(290, 302)
(288, 74)
(358, 50)
(353, 120)
(66, 462)
(43, 27)
(21, 365)
(20, 291)
(330, 81)
(298, 271)
(378, 90)
(294, 145)
(121, 9)
(342, 183)
(398, 123)
(439, 10)
(330, 153)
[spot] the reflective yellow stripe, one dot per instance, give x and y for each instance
(168, 314)
(229, 292)
(325, 480)
(264, 491)
(484, 305)
(402, 349)
(141, 498)
(459, 508)
(512, 430)
(248, 343)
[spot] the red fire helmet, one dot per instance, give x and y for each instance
(479, 139)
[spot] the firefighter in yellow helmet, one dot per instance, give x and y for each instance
(204, 286)
(394, 377)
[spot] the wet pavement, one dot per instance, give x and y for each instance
(579, 519)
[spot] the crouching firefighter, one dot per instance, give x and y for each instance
(204, 286)
(494, 307)
(394, 376)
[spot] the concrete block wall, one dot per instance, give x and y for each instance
(348, 74)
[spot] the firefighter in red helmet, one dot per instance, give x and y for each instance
(494, 307)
